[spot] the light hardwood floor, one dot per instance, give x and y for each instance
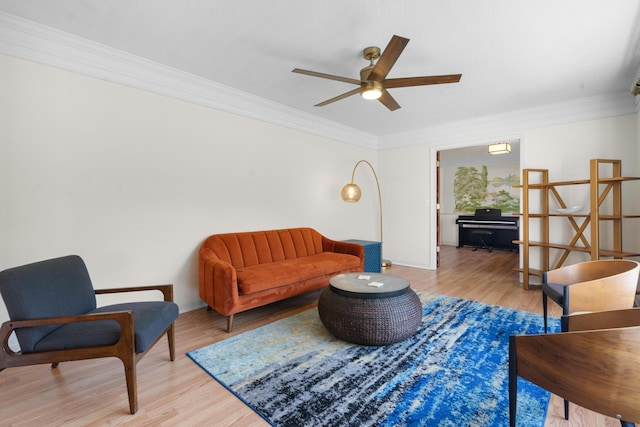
(93, 393)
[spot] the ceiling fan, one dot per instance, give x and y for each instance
(373, 82)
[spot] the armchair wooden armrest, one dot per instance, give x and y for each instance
(167, 290)
(122, 349)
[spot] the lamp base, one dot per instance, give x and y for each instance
(385, 263)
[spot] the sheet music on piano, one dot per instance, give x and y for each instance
(505, 228)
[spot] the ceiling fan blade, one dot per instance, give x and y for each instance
(326, 76)
(388, 101)
(338, 98)
(421, 81)
(388, 58)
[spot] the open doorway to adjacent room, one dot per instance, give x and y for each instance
(469, 177)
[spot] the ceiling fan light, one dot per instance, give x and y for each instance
(371, 90)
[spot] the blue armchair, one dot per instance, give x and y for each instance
(53, 310)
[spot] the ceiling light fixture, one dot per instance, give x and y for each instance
(371, 90)
(500, 148)
(635, 87)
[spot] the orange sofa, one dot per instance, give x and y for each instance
(240, 271)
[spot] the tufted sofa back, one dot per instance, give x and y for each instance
(247, 249)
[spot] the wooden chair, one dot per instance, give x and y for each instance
(595, 364)
(54, 313)
(591, 286)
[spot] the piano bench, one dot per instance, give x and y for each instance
(486, 239)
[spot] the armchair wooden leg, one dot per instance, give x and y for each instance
(132, 385)
(566, 409)
(229, 322)
(171, 337)
(544, 310)
(513, 382)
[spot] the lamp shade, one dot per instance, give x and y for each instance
(351, 193)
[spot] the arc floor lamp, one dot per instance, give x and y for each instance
(351, 193)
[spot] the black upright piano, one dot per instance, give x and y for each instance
(503, 229)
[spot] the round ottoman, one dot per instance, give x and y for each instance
(370, 308)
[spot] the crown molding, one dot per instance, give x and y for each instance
(30, 41)
(27, 40)
(578, 110)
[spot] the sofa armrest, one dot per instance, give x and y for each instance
(218, 282)
(329, 245)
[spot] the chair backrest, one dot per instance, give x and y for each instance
(596, 369)
(608, 319)
(597, 285)
(55, 287)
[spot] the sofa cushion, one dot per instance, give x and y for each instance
(282, 273)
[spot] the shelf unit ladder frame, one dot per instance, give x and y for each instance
(600, 188)
(597, 198)
(544, 204)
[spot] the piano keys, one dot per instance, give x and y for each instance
(504, 229)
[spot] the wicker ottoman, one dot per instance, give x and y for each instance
(356, 312)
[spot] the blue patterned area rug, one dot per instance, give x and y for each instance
(452, 372)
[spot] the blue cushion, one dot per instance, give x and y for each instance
(55, 287)
(151, 318)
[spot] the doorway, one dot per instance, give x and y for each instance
(491, 178)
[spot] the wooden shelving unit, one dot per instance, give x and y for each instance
(603, 191)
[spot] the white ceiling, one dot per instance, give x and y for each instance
(513, 54)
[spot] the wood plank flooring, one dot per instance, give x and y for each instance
(93, 393)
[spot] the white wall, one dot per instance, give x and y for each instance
(567, 150)
(564, 150)
(133, 181)
(405, 178)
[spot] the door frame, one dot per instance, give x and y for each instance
(434, 186)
